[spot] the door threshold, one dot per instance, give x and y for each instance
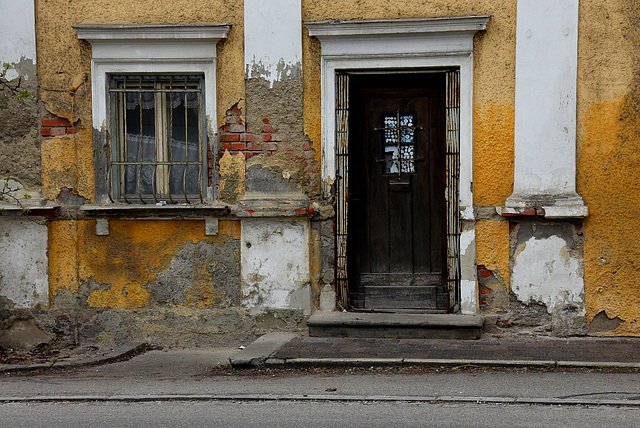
(398, 311)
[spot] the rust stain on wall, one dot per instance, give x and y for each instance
(493, 151)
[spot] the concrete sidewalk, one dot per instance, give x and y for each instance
(285, 350)
(280, 350)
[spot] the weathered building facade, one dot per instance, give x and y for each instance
(202, 172)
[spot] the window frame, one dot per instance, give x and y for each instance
(163, 136)
(149, 49)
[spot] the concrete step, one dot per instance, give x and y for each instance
(395, 325)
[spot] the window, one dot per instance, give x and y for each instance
(158, 147)
(153, 115)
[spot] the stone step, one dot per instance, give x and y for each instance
(395, 325)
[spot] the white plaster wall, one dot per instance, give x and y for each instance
(23, 262)
(544, 271)
(17, 32)
(275, 264)
(545, 98)
(272, 37)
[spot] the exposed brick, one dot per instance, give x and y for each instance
(266, 137)
(287, 148)
(306, 146)
(250, 137)
(238, 146)
(276, 137)
(57, 121)
(229, 119)
(72, 130)
(484, 272)
(234, 111)
(45, 132)
(210, 163)
(254, 147)
(236, 127)
(268, 128)
(512, 225)
(485, 291)
(57, 131)
(529, 211)
(301, 211)
(270, 146)
(229, 137)
(226, 146)
(265, 120)
(249, 155)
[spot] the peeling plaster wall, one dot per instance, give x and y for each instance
(275, 264)
(23, 263)
(19, 118)
(608, 162)
(547, 272)
(145, 263)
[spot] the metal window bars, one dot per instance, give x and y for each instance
(157, 145)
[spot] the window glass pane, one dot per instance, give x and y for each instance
(140, 135)
(185, 142)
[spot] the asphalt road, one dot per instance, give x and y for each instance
(178, 388)
(310, 414)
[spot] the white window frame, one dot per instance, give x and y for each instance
(406, 44)
(152, 49)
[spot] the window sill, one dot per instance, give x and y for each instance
(28, 209)
(208, 213)
(156, 211)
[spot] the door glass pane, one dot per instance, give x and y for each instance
(399, 144)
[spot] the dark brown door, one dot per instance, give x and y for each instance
(396, 224)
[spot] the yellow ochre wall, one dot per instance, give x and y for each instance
(136, 251)
(609, 158)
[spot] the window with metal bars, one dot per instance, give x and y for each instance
(158, 146)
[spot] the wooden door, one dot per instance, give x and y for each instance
(396, 226)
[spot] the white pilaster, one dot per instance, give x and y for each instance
(272, 37)
(545, 109)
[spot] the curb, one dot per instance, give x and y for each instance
(545, 401)
(256, 354)
(409, 362)
(118, 354)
